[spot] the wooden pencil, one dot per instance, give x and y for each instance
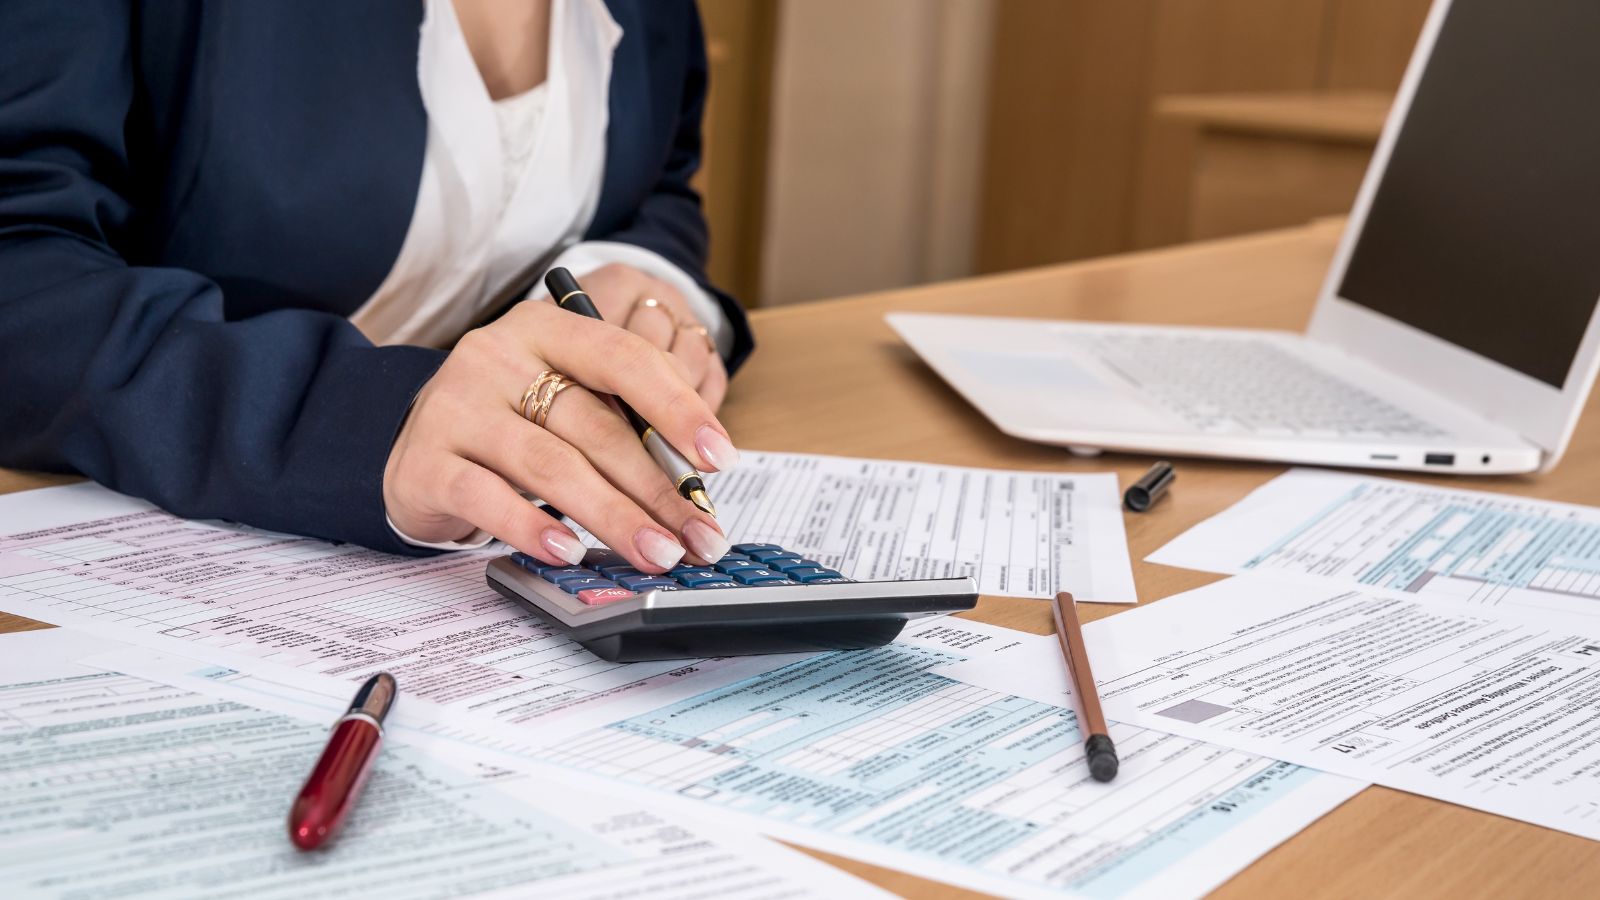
(1097, 747)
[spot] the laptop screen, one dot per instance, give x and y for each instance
(1485, 228)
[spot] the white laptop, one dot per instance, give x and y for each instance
(1456, 330)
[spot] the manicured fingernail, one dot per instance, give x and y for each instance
(657, 548)
(707, 543)
(563, 546)
(715, 448)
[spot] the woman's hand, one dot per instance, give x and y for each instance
(620, 293)
(465, 451)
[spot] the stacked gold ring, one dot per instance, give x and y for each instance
(541, 394)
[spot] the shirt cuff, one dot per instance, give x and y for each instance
(477, 540)
(586, 256)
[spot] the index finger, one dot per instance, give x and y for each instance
(607, 358)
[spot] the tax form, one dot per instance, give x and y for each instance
(115, 785)
(1471, 705)
(1463, 546)
(864, 754)
(1017, 533)
(82, 555)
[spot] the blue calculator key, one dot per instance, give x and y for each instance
(785, 565)
(747, 548)
(701, 579)
(729, 566)
(596, 558)
(643, 583)
(769, 582)
(531, 564)
(751, 576)
(555, 574)
(574, 585)
(826, 576)
(772, 555)
(617, 571)
(801, 573)
(675, 571)
(729, 557)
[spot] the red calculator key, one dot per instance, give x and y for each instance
(597, 596)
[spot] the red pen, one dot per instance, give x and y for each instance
(334, 784)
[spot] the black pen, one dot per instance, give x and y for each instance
(564, 290)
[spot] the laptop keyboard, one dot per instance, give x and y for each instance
(1239, 385)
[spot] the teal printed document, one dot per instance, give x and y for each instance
(1471, 547)
(867, 754)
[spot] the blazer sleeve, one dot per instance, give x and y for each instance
(130, 374)
(669, 221)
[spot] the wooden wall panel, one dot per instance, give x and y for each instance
(1070, 94)
(1369, 42)
(1076, 165)
(1066, 98)
(739, 36)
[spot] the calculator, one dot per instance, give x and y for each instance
(760, 598)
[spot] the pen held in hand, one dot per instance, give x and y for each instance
(1097, 747)
(566, 293)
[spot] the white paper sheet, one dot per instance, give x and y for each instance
(866, 755)
(85, 556)
(1017, 533)
(115, 785)
(1480, 707)
(1463, 546)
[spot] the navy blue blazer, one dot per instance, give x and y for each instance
(193, 198)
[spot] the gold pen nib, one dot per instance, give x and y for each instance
(700, 498)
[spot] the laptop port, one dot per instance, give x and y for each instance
(1439, 459)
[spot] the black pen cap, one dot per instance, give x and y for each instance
(1147, 490)
(565, 292)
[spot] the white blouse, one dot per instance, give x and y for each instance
(508, 184)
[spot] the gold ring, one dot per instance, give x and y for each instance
(542, 411)
(705, 334)
(541, 394)
(651, 303)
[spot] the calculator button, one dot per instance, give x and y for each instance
(800, 573)
(751, 576)
(596, 558)
(770, 555)
(786, 565)
(531, 564)
(555, 574)
(701, 579)
(747, 548)
(734, 557)
(769, 581)
(826, 576)
(646, 582)
(596, 596)
(579, 585)
(729, 566)
(617, 571)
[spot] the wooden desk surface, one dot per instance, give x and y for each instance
(832, 378)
